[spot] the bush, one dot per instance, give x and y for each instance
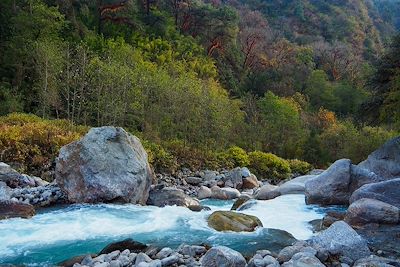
(159, 158)
(32, 144)
(269, 166)
(299, 166)
(234, 157)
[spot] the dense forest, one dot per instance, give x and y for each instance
(306, 79)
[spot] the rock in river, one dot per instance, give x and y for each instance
(170, 196)
(12, 209)
(233, 221)
(107, 164)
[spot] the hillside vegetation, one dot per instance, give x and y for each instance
(302, 79)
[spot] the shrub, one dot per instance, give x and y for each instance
(299, 166)
(269, 166)
(159, 158)
(234, 157)
(32, 143)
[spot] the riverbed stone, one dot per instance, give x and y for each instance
(107, 164)
(250, 182)
(222, 256)
(377, 261)
(169, 196)
(233, 221)
(385, 191)
(192, 180)
(204, 192)
(267, 192)
(12, 209)
(240, 201)
(342, 240)
(295, 186)
(170, 260)
(234, 178)
(130, 244)
(365, 210)
(385, 161)
(224, 193)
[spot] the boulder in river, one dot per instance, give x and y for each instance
(341, 240)
(223, 257)
(129, 243)
(295, 186)
(204, 192)
(385, 161)
(337, 183)
(13, 209)
(168, 196)
(365, 210)
(233, 221)
(107, 164)
(240, 201)
(386, 191)
(250, 182)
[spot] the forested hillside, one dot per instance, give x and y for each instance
(307, 79)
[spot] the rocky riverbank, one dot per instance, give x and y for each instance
(110, 165)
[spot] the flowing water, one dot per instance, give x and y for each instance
(59, 233)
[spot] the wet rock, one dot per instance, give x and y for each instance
(240, 201)
(366, 210)
(170, 260)
(224, 257)
(247, 205)
(170, 196)
(74, 260)
(303, 259)
(233, 221)
(130, 244)
(340, 239)
(224, 193)
(198, 208)
(385, 161)
(12, 209)
(107, 164)
(142, 257)
(385, 191)
(163, 253)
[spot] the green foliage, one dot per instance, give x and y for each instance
(33, 143)
(299, 166)
(269, 166)
(235, 156)
(159, 158)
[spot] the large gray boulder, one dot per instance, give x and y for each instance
(224, 193)
(267, 191)
(385, 161)
(107, 164)
(222, 256)
(337, 183)
(386, 191)
(234, 178)
(341, 240)
(168, 196)
(366, 210)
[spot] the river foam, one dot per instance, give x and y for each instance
(78, 229)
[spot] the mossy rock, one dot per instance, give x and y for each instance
(233, 221)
